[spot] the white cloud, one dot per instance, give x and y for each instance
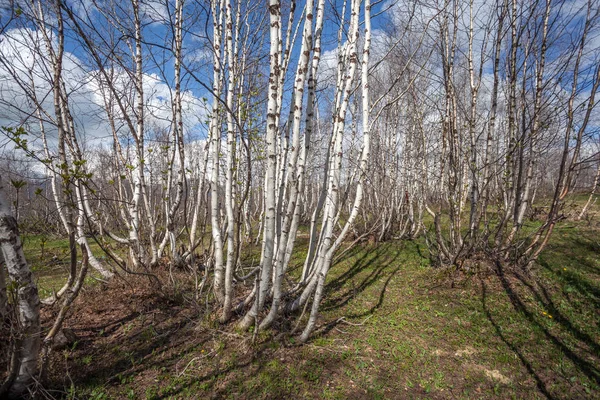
(23, 52)
(328, 69)
(155, 11)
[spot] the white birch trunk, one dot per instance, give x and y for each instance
(231, 139)
(27, 304)
(215, 140)
(364, 158)
(271, 172)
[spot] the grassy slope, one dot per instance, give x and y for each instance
(405, 333)
(49, 258)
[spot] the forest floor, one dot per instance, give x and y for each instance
(391, 327)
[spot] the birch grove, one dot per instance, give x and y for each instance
(251, 144)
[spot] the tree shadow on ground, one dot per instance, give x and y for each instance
(563, 337)
(585, 274)
(372, 265)
(117, 341)
(156, 348)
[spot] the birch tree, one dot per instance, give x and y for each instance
(25, 341)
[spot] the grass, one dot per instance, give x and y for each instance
(49, 258)
(391, 327)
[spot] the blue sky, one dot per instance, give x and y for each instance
(159, 62)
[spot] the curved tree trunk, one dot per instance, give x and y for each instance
(24, 367)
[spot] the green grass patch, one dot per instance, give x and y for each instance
(391, 326)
